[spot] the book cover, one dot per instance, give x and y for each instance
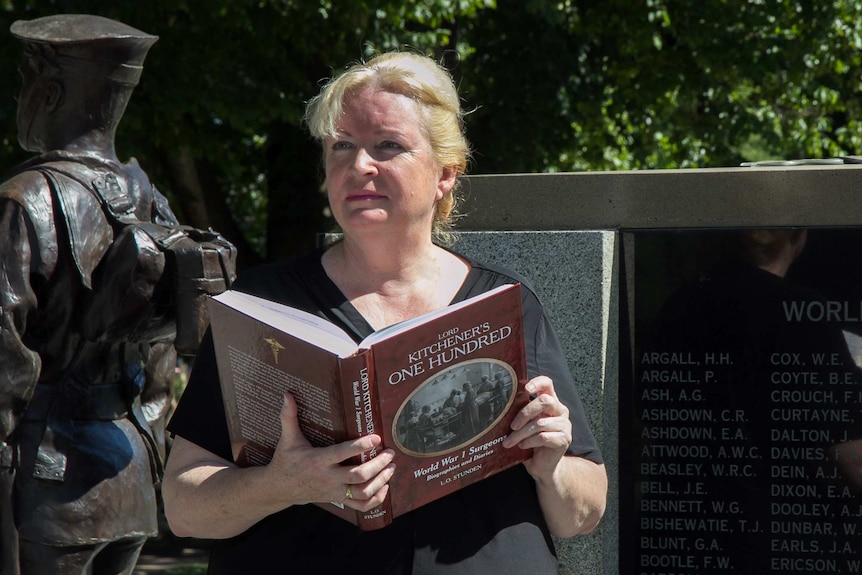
(440, 389)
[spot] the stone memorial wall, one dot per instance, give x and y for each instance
(745, 402)
(727, 391)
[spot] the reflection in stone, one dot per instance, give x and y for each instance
(744, 400)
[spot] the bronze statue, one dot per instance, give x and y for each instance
(99, 287)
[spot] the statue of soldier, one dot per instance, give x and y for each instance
(99, 287)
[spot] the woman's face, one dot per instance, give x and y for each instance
(380, 170)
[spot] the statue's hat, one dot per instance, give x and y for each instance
(90, 45)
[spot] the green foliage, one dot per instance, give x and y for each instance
(553, 85)
(197, 569)
(665, 83)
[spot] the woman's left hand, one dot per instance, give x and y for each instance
(542, 425)
(572, 490)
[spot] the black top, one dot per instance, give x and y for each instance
(494, 526)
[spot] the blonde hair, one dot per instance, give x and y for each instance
(427, 83)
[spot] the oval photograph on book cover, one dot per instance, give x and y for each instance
(454, 407)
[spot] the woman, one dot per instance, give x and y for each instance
(394, 149)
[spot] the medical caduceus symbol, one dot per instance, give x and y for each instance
(275, 347)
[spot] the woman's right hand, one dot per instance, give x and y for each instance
(316, 474)
(208, 497)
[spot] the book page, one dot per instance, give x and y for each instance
(302, 325)
(406, 325)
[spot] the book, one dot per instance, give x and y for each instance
(441, 389)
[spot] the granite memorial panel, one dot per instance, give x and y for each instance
(741, 407)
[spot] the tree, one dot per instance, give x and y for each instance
(553, 85)
(217, 118)
(664, 83)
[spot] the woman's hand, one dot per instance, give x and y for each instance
(572, 490)
(208, 497)
(315, 474)
(542, 425)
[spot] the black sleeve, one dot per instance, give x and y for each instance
(200, 416)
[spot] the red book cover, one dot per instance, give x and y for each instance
(440, 389)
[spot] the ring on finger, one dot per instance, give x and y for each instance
(349, 493)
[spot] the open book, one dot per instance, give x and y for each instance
(440, 389)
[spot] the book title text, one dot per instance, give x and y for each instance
(450, 346)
